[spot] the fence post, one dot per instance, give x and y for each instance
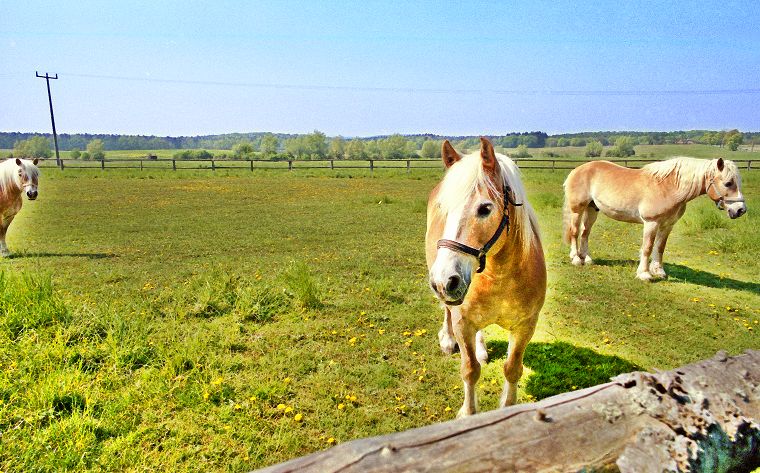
(103, 163)
(213, 166)
(251, 161)
(174, 164)
(553, 163)
(61, 164)
(625, 162)
(141, 165)
(407, 166)
(332, 164)
(290, 164)
(371, 165)
(749, 164)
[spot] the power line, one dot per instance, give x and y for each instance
(262, 85)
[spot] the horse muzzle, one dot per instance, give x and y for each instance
(451, 290)
(736, 213)
(32, 195)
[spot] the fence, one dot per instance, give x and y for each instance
(294, 165)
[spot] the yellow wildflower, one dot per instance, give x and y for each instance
(298, 417)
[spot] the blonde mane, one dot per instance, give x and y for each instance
(689, 173)
(467, 176)
(9, 181)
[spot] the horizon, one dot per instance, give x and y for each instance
(486, 68)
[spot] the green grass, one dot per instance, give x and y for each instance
(164, 320)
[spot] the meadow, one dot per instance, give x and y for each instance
(191, 321)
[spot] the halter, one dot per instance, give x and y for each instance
(481, 253)
(722, 200)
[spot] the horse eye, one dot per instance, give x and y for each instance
(729, 184)
(484, 210)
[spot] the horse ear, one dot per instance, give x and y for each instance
(721, 164)
(35, 161)
(449, 154)
(487, 154)
(18, 161)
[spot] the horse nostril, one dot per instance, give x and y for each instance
(453, 283)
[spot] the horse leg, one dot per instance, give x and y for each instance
(659, 245)
(469, 368)
(481, 353)
(589, 217)
(575, 223)
(4, 224)
(513, 367)
(445, 335)
(650, 232)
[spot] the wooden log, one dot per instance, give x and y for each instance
(702, 417)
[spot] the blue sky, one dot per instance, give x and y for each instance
(377, 67)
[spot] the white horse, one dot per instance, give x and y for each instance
(16, 177)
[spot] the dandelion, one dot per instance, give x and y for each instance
(448, 409)
(205, 395)
(298, 417)
(352, 341)
(407, 333)
(331, 441)
(288, 410)
(217, 381)
(341, 406)
(352, 398)
(281, 407)
(362, 313)
(287, 380)
(420, 378)
(237, 407)
(381, 331)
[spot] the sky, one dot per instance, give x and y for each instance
(372, 67)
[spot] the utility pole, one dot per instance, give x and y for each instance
(47, 78)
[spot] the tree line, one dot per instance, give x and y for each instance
(317, 145)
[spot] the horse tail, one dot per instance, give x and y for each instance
(566, 213)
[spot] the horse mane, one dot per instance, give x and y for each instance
(467, 175)
(689, 173)
(9, 177)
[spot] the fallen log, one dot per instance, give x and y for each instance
(701, 417)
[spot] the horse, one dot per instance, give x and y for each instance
(655, 195)
(16, 176)
(486, 262)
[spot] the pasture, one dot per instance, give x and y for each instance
(181, 320)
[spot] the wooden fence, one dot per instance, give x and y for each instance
(407, 165)
(700, 417)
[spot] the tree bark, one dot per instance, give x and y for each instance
(702, 417)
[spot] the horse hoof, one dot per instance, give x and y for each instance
(588, 260)
(448, 344)
(5, 254)
(577, 261)
(658, 273)
(463, 412)
(645, 276)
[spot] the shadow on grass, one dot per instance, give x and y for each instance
(684, 274)
(55, 255)
(560, 367)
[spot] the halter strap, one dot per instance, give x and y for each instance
(480, 254)
(721, 199)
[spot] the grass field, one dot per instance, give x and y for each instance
(164, 320)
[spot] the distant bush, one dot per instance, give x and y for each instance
(521, 152)
(243, 150)
(594, 149)
(193, 154)
(96, 149)
(622, 149)
(75, 153)
(34, 147)
(85, 156)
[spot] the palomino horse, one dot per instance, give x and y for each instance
(485, 261)
(655, 195)
(16, 176)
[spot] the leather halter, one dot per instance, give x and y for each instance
(481, 253)
(722, 200)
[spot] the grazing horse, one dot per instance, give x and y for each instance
(655, 195)
(16, 176)
(486, 263)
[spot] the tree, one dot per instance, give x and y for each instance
(577, 142)
(563, 142)
(34, 147)
(593, 149)
(733, 139)
(243, 150)
(338, 147)
(316, 144)
(269, 145)
(394, 147)
(296, 146)
(75, 153)
(96, 149)
(431, 149)
(355, 149)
